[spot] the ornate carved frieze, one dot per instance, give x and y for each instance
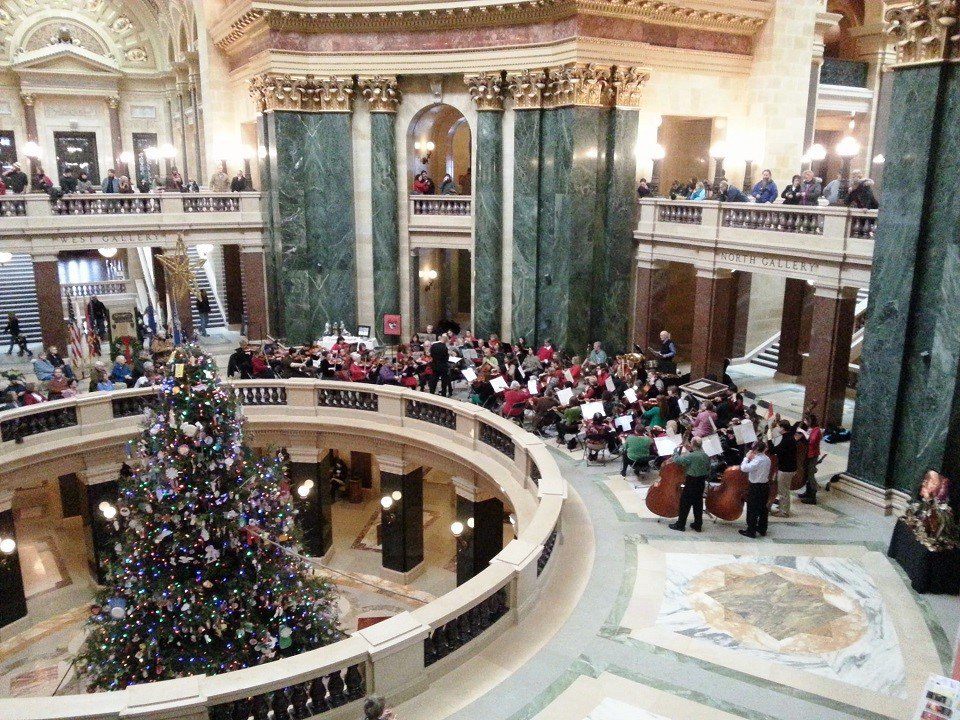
(487, 90)
(304, 94)
(628, 84)
(925, 31)
(579, 84)
(527, 88)
(381, 92)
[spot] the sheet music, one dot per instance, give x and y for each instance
(609, 384)
(469, 353)
(712, 446)
(684, 403)
(624, 422)
(565, 396)
(569, 376)
(593, 408)
(666, 444)
(532, 386)
(631, 395)
(469, 374)
(744, 433)
(498, 384)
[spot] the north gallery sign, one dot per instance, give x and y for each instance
(771, 263)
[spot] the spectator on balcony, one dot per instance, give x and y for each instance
(791, 193)
(699, 192)
(68, 183)
(60, 386)
(42, 182)
(730, 193)
(203, 310)
(111, 183)
(43, 368)
(220, 181)
(31, 396)
(53, 355)
(239, 182)
(84, 185)
(148, 377)
(831, 191)
(765, 191)
(422, 185)
(861, 194)
(121, 372)
(448, 186)
(677, 190)
(16, 179)
(125, 186)
(810, 189)
(192, 186)
(643, 189)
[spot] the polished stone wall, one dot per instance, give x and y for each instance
(488, 224)
(526, 205)
(386, 232)
(907, 400)
(313, 227)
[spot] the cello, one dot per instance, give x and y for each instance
(726, 500)
(663, 497)
(800, 476)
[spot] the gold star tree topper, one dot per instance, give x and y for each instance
(180, 270)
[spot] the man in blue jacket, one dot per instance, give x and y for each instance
(728, 193)
(765, 191)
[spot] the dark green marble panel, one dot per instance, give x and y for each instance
(526, 199)
(488, 225)
(386, 230)
(273, 253)
(315, 221)
(617, 244)
(896, 312)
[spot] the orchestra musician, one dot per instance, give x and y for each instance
(696, 464)
(757, 467)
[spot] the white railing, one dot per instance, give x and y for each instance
(460, 205)
(32, 223)
(102, 287)
(389, 658)
(829, 245)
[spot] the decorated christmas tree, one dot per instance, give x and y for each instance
(207, 577)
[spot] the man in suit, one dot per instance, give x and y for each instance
(440, 364)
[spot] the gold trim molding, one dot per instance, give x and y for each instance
(738, 17)
(303, 94)
(527, 89)
(628, 83)
(579, 84)
(582, 84)
(487, 91)
(925, 31)
(381, 92)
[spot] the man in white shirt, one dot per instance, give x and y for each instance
(757, 467)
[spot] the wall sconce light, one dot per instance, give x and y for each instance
(8, 545)
(32, 149)
(108, 252)
(126, 157)
(428, 276)
(5, 257)
(389, 512)
(152, 153)
(304, 489)
(168, 151)
(877, 160)
(424, 150)
(462, 532)
(108, 511)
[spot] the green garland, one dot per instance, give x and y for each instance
(117, 348)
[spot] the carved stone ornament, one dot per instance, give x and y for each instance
(925, 31)
(579, 84)
(486, 89)
(628, 83)
(527, 88)
(381, 92)
(303, 94)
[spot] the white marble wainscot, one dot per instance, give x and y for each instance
(822, 615)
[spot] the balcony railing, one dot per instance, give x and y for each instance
(845, 73)
(441, 204)
(89, 289)
(403, 651)
(821, 244)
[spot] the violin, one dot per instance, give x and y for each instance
(726, 500)
(663, 497)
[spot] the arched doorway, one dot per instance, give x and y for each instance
(439, 142)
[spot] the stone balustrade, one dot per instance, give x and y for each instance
(826, 245)
(390, 658)
(32, 223)
(101, 287)
(441, 204)
(449, 215)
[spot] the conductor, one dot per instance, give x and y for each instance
(440, 366)
(667, 353)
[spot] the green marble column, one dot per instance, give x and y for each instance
(908, 399)
(273, 254)
(386, 230)
(314, 222)
(613, 255)
(526, 200)
(488, 223)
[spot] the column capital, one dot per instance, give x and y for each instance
(925, 31)
(381, 92)
(586, 85)
(527, 89)
(487, 90)
(27, 99)
(113, 102)
(628, 84)
(308, 93)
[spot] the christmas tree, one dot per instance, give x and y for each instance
(207, 578)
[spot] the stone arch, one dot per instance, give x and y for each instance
(439, 123)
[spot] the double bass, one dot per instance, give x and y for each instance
(726, 500)
(663, 497)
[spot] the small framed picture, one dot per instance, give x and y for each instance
(363, 331)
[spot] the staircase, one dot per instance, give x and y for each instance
(18, 294)
(769, 355)
(217, 316)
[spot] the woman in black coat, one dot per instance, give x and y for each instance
(793, 192)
